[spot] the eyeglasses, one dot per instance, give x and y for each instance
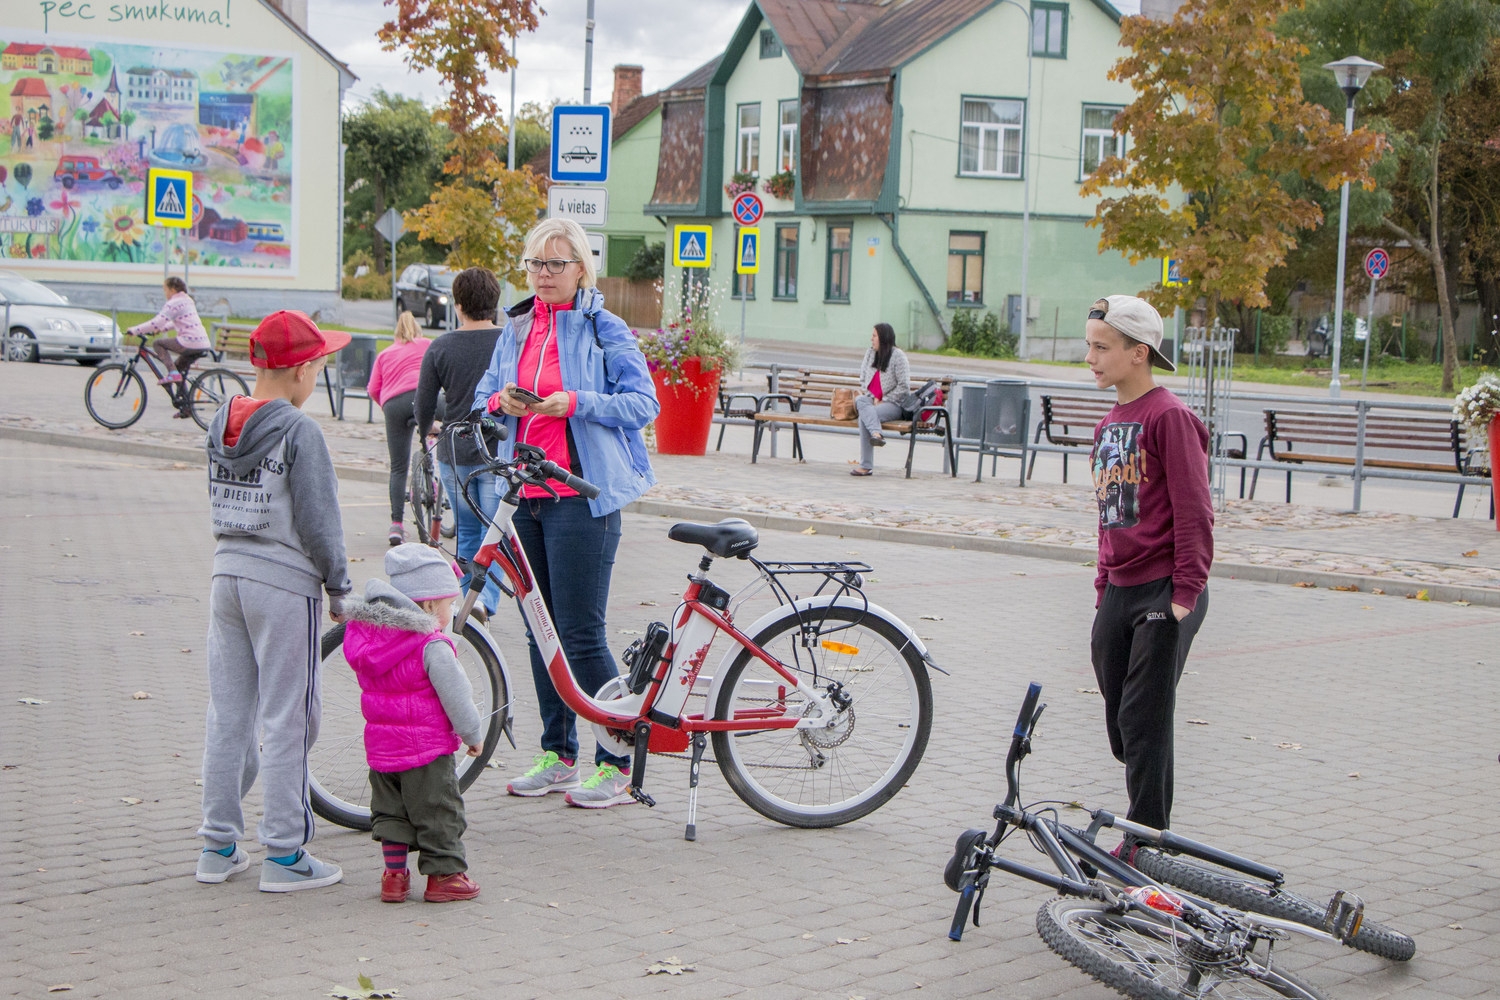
(554, 266)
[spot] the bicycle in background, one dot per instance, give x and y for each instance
(115, 394)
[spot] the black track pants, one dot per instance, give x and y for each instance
(1139, 650)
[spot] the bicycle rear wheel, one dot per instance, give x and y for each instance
(212, 389)
(1244, 893)
(826, 777)
(425, 492)
(337, 765)
(1147, 955)
(115, 395)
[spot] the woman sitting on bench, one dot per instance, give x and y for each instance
(884, 390)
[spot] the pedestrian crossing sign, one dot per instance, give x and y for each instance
(692, 246)
(747, 256)
(169, 198)
(1171, 273)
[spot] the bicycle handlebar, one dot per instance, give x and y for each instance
(582, 487)
(1024, 721)
(527, 457)
(1020, 743)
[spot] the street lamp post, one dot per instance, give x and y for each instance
(1025, 178)
(1352, 73)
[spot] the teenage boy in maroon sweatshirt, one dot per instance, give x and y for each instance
(1150, 466)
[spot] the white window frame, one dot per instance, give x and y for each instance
(786, 148)
(1097, 134)
(747, 145)
(984, 137)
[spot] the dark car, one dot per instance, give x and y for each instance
(426, 290)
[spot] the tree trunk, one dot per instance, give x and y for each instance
(1440, 278)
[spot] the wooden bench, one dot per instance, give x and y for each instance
(732, 406)
(231, 343)
(807, 394)
(1288, 432)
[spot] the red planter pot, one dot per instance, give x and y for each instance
(687, 409)
(1495, 467)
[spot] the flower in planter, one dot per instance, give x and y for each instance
(740, 183)
(1477, 405)
(668, 349)
(781, 185)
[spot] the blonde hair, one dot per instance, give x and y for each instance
(570, 233)
(406, 328)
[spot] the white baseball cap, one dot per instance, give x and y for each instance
(1138, 320)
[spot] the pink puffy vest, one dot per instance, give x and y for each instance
(405, 725)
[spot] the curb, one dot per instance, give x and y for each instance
(1443, 592)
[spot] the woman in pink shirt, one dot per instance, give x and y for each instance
(393, 386)
(179, 315)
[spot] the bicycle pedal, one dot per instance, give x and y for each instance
(641, 796)
(1344, 916)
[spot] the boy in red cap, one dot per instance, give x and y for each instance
(280, 546)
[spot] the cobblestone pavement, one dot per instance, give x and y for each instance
(1349, 740)
(1313, 541)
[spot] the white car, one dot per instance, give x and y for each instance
(41, 324)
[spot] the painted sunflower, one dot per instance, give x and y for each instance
(122, 227)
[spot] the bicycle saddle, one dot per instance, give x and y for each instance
(730, 537)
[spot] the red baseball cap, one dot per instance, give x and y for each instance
(287, 338)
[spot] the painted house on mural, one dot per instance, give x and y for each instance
(891, 141)
(236, 94)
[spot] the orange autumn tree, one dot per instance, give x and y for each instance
(484, 210)
(1218, 121)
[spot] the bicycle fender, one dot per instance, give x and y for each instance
(507, 711)
(810, 603)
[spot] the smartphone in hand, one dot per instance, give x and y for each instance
(524, 395)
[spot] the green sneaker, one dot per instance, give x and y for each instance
(608, 787)
(548, 774)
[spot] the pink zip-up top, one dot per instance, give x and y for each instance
(405, 725)
(181, 315)
(396, 370)
(538, 370)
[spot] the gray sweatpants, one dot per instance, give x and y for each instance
(871, 415)
(264, 706)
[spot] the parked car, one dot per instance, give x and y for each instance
(44, 325)
(425, 290)
(72, 169)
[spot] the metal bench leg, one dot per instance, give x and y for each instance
(760, 428)
(1065, 467)
(951, 448)
(911, 449)
(722, 428)
(1288, 487)
(1460, 501)
(797, 443)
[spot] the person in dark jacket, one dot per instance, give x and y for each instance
(454, 364)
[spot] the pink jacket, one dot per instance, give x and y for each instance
(181, 315)
(405, 725)
(396, 370)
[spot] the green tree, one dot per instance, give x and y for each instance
(1433, 51)
(393, 144)
(1218, 126)
(127, 118)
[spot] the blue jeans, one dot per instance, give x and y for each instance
(572, 554)
(484, 490)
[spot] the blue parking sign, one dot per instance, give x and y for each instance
(580, 143)
(169, 198)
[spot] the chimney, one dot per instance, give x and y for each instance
(627, 87)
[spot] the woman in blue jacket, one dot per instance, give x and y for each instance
(596, 397)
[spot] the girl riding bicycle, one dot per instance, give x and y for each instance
(181, 315)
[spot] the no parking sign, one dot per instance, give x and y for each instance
(1377, 263)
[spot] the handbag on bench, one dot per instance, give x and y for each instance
(841, 406)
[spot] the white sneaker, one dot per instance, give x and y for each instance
(214, 868)
(548, 774)
(608, 787)
(307, 872)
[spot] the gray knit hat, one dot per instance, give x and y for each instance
(421, 572)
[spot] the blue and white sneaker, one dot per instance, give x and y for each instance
(214, 868)
(307, 872)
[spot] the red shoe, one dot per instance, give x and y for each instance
(449, 888)
(395, 885)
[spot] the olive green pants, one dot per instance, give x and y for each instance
(423, 809)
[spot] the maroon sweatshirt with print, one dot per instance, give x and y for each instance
(1156, 518)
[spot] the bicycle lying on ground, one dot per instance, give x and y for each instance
(115, 393)
(1126, 930)
(819, 711)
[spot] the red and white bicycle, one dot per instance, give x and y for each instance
(819, 711)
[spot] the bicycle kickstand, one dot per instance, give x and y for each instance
(638, 767)
(699, 742)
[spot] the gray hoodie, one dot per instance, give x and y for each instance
(385, 605)
(274, 501)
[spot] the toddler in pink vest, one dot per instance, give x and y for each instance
(419, 711)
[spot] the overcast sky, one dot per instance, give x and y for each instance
(670, 38)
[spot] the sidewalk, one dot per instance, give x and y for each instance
(1307, 542)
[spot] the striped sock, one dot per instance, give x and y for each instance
(395, 855)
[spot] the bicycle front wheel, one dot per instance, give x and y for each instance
(1244, 893)
(1152, 957)
(115, 395)
(337, 764)
(211, 390)
(827, 776)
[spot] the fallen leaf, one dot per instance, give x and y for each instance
(1422, 595)
(1367, 607)
(554, 906)
(1249, 737)
(1347, 588)
(1353, 774)
(137, 633)
(1197, 722)
(356, 559)
(1305, 585)
(362, 958)
(1455, 927)
(1087, 690)
(843, 940)
(1378, 591)
(59, 988)
(648, 604)
(70, 555)
(131, 800)
(1471, 553)
(359, 532)
(807, 937)
(1091, 562)
(931, 618)
(198, 782)
(140, 696)
(1462, 604)
(33, 701)
(630, 631)
(670, 966)
(805, 531)
(1289, 746)
(1017, 572)
(185, 649)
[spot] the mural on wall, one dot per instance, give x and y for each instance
(82, 125)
